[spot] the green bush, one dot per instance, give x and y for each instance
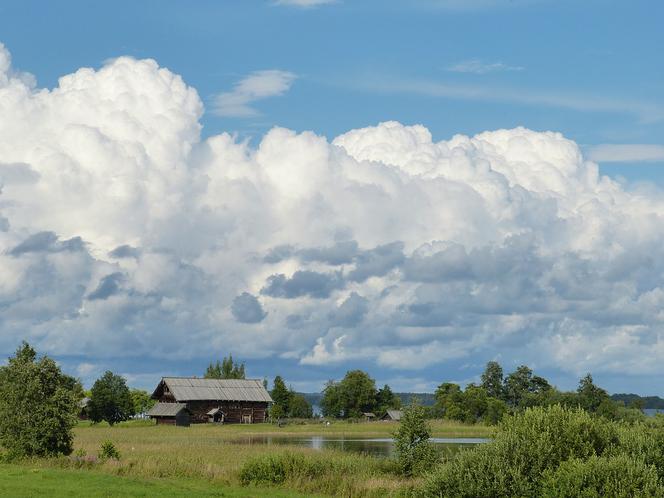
(415, 454)
(108, 451)
(280, 467)
(619, 476)
(525, 446)
(643, 442)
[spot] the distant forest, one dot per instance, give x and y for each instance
(428, 399)
(643, 401)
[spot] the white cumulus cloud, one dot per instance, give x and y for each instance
(124, 233)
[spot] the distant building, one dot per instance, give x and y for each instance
(233, 401)
(392, 415)
(368, 416)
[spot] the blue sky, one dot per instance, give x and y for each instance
(591, 70)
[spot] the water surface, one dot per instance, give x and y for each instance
(382, 447)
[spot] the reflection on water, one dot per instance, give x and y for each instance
(383, 447)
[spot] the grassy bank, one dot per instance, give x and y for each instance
(24, 481)
(186, 459)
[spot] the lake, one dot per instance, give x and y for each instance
(381, 447)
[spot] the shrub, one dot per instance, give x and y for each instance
(415, 454)
(277, 468)
(619, 476)
(643, 442)
(525, 446)
(108, 451)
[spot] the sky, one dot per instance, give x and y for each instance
(413, 188)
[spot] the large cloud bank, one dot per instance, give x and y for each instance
(122, 232)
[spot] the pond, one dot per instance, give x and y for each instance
(381, 447)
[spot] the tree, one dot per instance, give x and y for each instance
(299, 407)
(281, 397)
(358, 392)
(386, 399)
(590, 395)
(110, 399)
(226, 369)
(450, 402)
(331, 402)
(414, 452)
(141, 401)
(492, 380)
(38, 406)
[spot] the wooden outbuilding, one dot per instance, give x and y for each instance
(394, 415)
(171, 414)
(239, 401)
(368, 416)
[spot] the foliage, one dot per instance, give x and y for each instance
(470, 406)
(492, 380)
(354, 395)
(329, 473)
(620, 476)
(38, 406)
(110, 399)
(591, 397)
(414, 452)
(141, 401)
(108, 451)
(386, 400)
(227, 369)
(525, 446)
(521, 383)
(281, 396)
(299, 407)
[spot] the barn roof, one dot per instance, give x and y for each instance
(393, 414)
(166, 409)
(195, 389)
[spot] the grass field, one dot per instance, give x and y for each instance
(20, 481)
(206, 456)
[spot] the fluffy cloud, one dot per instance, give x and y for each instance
(257, 86)
(125, 233)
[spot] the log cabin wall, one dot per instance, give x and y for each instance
(235, 412)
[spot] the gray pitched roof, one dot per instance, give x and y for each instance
(166, 409)
(393, 414)
(195, 389)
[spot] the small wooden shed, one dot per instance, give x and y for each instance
(394, 415)
(368, 416)
(170, 414)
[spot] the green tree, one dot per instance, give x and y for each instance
(299, 407)
(450, 402)
(38, 406)
(141, 401)
(590, 395)
(331, 402)
(386, 399)
(414, 452)
(492, 380)
(281, 396)
(110, 399)
(226, 369)
(358, 392)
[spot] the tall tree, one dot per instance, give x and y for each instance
(358, 393)
(492, 380)
(331, 402)
(226, 369)
(110, 399)
(590, 395)
(281, 397)
(299, 407)
(386, 399)
(414, 452)
(38, 405)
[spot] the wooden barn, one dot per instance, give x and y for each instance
(231, 401)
